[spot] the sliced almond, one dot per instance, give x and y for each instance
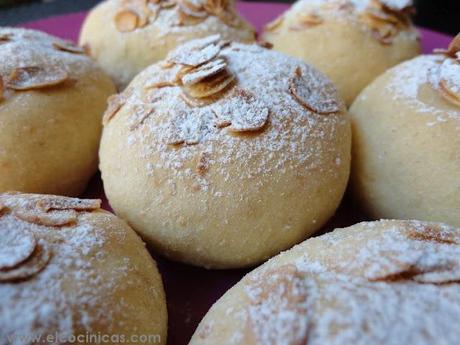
(115, 103)
(453, 50)
(49, 203)
(265, 44)
(168, 77)
(274, 25)
(446, 79)
(29, 268)
(314, 99)
(197, 102)
(307, 20)
(52, 218)
(192, 10)
(196, 52)
(241, 113)
(4, 38)
(448, 94)
(204, 71)
(166, 3)
(68, 47)
(141, 115)
(381, 16)
(16, 245)
(127, 21)
(35, 77)
(209, 86)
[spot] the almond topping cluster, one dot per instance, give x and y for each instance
(198, 70)
(446, 77)
(139, 13)
(203, 77)
(387, 18)
(25, 78)
(307, 95)
(22, 253)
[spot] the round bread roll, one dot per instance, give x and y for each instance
(406, 152)
(225, 153)
(386, 282)
(52, 97)
(70, 271)
(126, 36)
(351, 41)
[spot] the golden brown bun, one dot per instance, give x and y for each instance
(406, 152)
(52, 98)
(69, 268)
(126, 36)
(351, 41)
(233, 178)
(386, 282)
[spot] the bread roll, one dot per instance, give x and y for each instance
(386, 282)
(406, 152)
(126, 36)
(71, 272)
(225, 154)
(52, 97)
(351, 41)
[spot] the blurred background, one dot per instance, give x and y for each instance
(440, 15)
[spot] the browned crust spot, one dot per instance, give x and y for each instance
(203, 163)
(431, 235)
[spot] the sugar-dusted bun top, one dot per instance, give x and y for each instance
(33, 60)
(386, 282)
(385, 19)
(413, 81)
(53, 253)
(234, 103)
(175, 16)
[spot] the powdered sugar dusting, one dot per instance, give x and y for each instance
(16, 245)
(401, 286)
(34, 294)
(410, 78)
(29, 53)
(385, 20)
(258, 100)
